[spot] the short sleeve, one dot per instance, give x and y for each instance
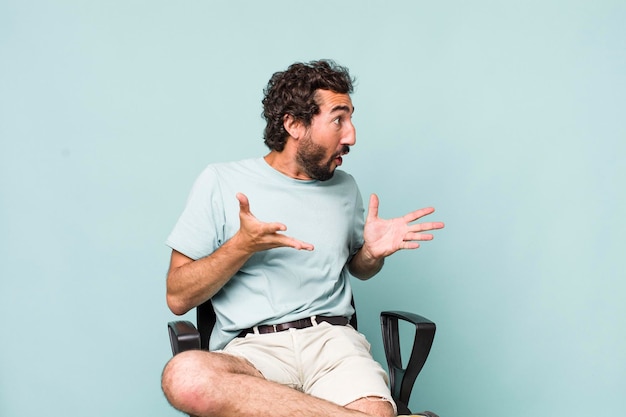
(199, 230)
(358, 224)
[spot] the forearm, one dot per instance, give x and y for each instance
(190, 283)
(364, 266)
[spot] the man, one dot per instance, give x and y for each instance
(262, 281)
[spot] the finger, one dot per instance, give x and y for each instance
(291, 242)
(244, 204)
(417, 214)
(411, 237)
(421, 227)
(410, 245)
(300, 245)
(372, 211)
(274, 227)
(288, 241)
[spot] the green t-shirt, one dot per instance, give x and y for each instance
(283, 284)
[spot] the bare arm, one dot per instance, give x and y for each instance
(385, 237)
(190, 283)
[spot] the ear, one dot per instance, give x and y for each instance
(294, 128)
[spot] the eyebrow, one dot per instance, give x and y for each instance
(342, 108)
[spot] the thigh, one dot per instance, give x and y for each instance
(341, 368)
(202, 364)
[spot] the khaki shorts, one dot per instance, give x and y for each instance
(325, 361)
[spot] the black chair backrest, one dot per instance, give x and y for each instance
(205, 321)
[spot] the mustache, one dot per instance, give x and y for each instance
(344, 151)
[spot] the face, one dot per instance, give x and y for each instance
(328, 138)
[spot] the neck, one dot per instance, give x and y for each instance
(284, 163)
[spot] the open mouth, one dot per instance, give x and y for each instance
(339, 157)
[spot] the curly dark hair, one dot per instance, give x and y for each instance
(292, 92)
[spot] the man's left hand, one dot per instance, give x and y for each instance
(385, 237)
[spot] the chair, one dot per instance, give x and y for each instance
(184, 336)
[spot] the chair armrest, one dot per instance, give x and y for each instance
(183, 336)
(403, 379)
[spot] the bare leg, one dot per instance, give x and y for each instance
(373, 406)
(206, 384)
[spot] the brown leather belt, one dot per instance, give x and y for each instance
(296, 324)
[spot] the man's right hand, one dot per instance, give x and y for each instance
(256, 236)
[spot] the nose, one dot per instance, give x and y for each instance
(349, 138)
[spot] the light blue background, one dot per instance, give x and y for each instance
(505, 116)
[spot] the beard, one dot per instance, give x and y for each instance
(312, 159)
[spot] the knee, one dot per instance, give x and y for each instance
(187, 382)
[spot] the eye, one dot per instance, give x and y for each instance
(337, 120)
